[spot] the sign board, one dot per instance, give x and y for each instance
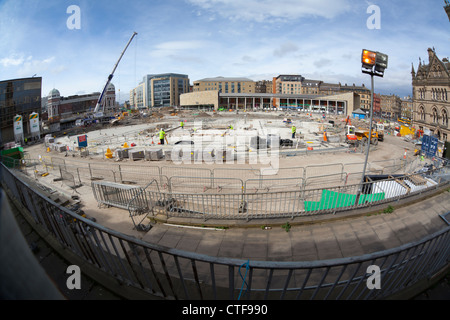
(18, 129)
(429, 146)
(82, 141)
(18, 125)
(34, 124)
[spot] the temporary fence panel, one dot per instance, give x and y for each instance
(330, 180)
(205, 185)
(239, 173)
(274, 204)
(119, 195)
(186, 172)
(270, 185)
(320, 170)
(139, 175)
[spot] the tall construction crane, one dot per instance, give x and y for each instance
(98, 114)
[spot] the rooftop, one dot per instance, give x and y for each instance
(229, 79)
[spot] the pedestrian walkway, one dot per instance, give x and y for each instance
(302, 242)
(313, 241)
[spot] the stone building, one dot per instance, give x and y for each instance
(225, 85)
(62, 108)
(391, 107)
(431, 90)
(407, 107)
(263, 86)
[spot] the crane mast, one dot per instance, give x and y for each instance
(98, 114)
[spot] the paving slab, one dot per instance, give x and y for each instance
(319, 241)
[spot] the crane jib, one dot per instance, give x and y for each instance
(99, 102)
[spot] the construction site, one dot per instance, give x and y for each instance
(218, 155)
(180, 212)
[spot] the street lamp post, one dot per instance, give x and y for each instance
(373, 63)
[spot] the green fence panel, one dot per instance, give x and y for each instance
(331, 200)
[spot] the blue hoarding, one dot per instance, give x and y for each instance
(429, 146)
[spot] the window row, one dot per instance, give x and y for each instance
(436, 94)
(439, 94)
(437, 117)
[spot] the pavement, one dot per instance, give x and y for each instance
(321, 240)
(307, 240)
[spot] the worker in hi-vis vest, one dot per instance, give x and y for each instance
(294, 129)
(181, 124)
(162, 135)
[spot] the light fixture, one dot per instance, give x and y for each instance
(381, 62)
(371, 59)
(368, 59)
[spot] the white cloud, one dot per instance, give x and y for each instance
(11, 61)
(273, 10)
(177, 48)
(34, 66)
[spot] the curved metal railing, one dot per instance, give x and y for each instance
(211, 194)
(176, 274)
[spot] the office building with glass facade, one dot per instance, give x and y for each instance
(159, 90)
(18, 97)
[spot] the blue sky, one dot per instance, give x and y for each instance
(258, 39)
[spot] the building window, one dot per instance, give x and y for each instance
(435, 116)
(422, 94)
(421, 113)
(444, 118)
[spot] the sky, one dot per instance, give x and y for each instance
(75, 51)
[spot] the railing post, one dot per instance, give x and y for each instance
(90, 172)
(120, 174)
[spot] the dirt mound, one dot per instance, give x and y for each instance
(203, 115)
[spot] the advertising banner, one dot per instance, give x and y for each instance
(18, 129)
(34, 125)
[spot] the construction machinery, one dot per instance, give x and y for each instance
(380, 130)
(97, 112)
(360, 136)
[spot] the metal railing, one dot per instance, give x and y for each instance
(141, 174)
(175, 274)
(272, 196)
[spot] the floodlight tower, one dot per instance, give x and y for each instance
(373, 63)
